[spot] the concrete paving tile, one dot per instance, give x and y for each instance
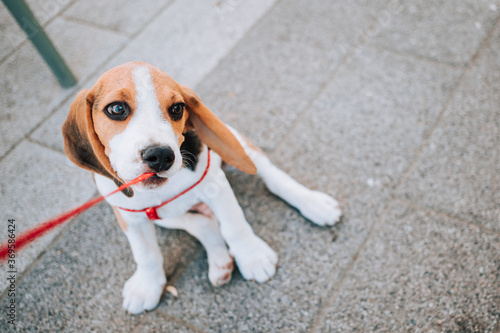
(421, 272)
(366, 126)
(459, 170)
(116, 15)
(49, 133)
(311, 261)
(189, 38)
(45, 10)
(156, 322)
(448, 31)
(275, 73)
(83, 47)
(38, 184)
(29, 93)
(11, 35)
(76, 285)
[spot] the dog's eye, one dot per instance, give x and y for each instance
(176, 111)
(117, 111)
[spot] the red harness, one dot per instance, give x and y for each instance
(151, 211)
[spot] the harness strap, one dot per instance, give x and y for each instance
(151, 211)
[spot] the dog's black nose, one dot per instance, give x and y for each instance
(158, 158)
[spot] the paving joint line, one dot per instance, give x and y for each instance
(301, 116)
(333, 294)
(140, 324)
(181, 322)
(252, 28)
(95, 26)
(69, 91)
(44, 145)
(14, 50)
(447, 215)
(60, 13)
(428, 133)
(337, 289)
(347, 57)
(417, 56)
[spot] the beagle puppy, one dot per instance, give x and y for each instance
(136, 119)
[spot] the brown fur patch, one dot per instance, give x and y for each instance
(251, 145)
(117, 86)
(121, 222)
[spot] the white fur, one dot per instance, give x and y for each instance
(255, 259)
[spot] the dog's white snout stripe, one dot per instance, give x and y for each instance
(147, 128)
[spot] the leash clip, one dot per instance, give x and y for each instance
(152, 214)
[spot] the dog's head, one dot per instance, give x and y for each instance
(133, 120)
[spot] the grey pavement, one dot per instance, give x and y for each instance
(391, 106)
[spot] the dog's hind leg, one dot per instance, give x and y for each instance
(206, 230)
(316, 206)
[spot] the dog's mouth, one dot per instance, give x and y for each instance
(154, 181)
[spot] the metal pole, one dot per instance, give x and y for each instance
(39, 38)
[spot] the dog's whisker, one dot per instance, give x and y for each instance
(187, 160)
(185, 154)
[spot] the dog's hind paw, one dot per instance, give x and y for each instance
(320, 208)
(221, 266)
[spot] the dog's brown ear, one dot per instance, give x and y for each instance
(81, 143)
(215, 134)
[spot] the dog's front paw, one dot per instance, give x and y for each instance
(255, 259)
(320, 208)
(142, 292)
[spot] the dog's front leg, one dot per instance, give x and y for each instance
(255, 259)
(143, 289)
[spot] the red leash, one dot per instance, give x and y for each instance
(41, 229)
